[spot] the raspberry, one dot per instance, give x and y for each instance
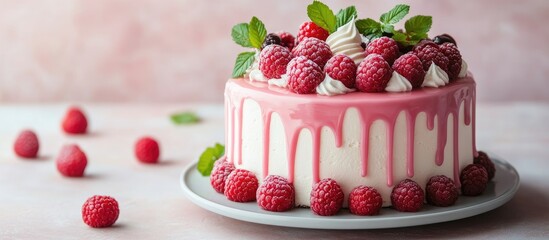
(342, 68)
(304, 75)
(220, 172)
(407, 196)
(270, 39)
(273, 60)
(147, 150)
(316, 50)
(410, 67)
(311, 30)
(287, 40)
(441, 191)
(474, 179)
(276, 194)
(384, 46)
(373, 74)
(100, 211)
(429, 53)
(75, 121)
(454, 59)
(487, 163)
(71, 161)
(365, 201)
(326, 197)
(241, 186)
(26, 145)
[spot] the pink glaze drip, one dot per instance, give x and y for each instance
(313, 112)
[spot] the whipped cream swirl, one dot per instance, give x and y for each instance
(346, 40)
(280, 82)
(398, 83)
(463, 71)
(435, 77)
(331, 87)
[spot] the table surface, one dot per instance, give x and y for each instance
(37, 202)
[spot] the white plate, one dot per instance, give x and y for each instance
(500, 190)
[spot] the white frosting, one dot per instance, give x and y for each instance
(398, 83)
(331, 87)
(346, 40)
(257, 75)
(254, 66)
(463, 71)
(435, 77)
(280, 82)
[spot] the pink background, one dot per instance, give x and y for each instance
(181, 50)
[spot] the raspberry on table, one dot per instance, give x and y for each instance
(304, 75)
(411, 68)
(384, 46)
(271, 38)
(147, 150)
(316, 50)
(71, 161)
(75, 121)
(276, 194)
(287, 40)
(428, 53)
(454, 59)
(326, 197)
(407, 196)
(100, 211)
(273, 61)
(373, 74)
(26, 145)
(311, 30)
(241, 186)
(222, 169)
(441, 191)
(474, 179)
(342, 68)
(487, 163)
(365, 201)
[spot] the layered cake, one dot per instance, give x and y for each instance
(349, 112)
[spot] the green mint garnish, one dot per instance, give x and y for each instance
(418, 24)
(240, 35)
(344, 16)
(395, 14)
(322, 16)
(208, 158)
(256, 32)
(370, 28)
(184, 118)
(242, 63)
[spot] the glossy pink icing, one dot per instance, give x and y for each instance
(314, 112)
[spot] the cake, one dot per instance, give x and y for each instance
(348, 102)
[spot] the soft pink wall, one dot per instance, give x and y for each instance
(181, 50)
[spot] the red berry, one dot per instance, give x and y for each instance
(147, 150)
(75, 121)
(100, 211)
(384, 46)
(273, 60)
(276, 194)
(287, 40)
(241, 186)
(220, 172)
(304, 75)
(410, 67)
(26, 145)
(454, 59)
(441, 191)
(316, 50)
(311, 30)
(407, 196)
(342, 68)
(326, 197)
(365, 201)
(71, 161)
(373, 74)
(474, 179)
(487, 163)
(430, 53)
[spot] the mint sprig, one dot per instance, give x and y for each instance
(243, 61)
(346, 15)
(322, 16)
(240, 35)
(208, 158)
(184, 118)
(394, 15)
(256, 32)
(249, 35)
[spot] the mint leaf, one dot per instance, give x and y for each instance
(184, 118)
(240, 35)
(242, 63)
(418, 24)
(395, 14)
(346, 15)
(368, 26)
(208, 158)
(400, 37)
(322, 16)
(256, 32)
(388, 28)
